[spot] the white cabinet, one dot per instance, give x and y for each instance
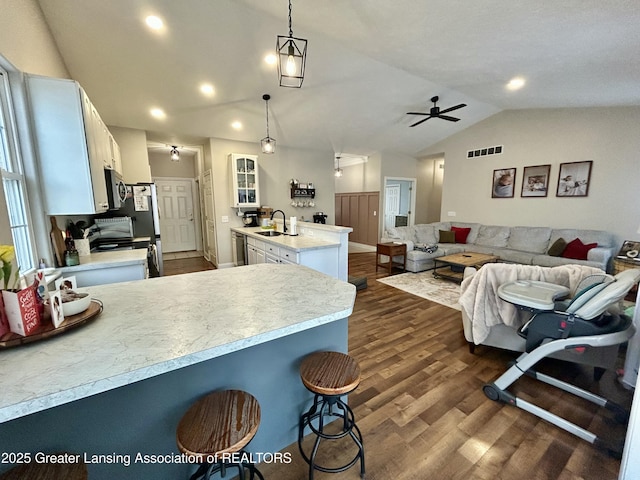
(116, 159)
(255, 251)
(324, 260)
(245, 191)
(73, 147)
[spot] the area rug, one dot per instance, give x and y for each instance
(424, 285)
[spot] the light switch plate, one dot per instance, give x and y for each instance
(225, 219)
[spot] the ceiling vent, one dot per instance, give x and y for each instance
(482, 152)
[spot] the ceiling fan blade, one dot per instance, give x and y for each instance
(418, 123)
(447, 117)
(451, 109)
(417, 113)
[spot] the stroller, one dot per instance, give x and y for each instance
(580, 324)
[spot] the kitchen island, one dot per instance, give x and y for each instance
(118, 386)
(322, 247)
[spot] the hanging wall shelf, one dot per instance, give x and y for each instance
(303, 192)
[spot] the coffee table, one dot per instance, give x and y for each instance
(452, 266)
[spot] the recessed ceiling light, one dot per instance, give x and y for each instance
(236, 125)
(154, 22)
(271, 59)
(158, 113)
(207, 89)
(516, 83)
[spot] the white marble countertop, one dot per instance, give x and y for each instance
(108, 259)
(297, 243)
(157, 325)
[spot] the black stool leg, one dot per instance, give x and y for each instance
(207, 470)
(327, 406)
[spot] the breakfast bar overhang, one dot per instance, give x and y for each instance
(115, 389)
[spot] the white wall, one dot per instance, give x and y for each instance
(363, 177)
(162, 165)
(25, 39)
(133, 151)
(430, 176)
(608, 136)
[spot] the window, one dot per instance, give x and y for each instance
(13, 181)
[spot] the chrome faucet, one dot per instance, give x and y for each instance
(284, 219)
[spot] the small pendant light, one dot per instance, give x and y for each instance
(268, 144)
(338, 171)
(174, 154)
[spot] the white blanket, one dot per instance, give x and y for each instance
(482, 305)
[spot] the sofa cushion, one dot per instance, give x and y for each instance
(557, 248)
(473, 234)
(447, 236)
(402, 233)
(425, 234)
(603, 239)
(529, 239)
(492, 236)
(516, 256)
(461, 234)
(577, 250)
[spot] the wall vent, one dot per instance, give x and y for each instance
(481, 152)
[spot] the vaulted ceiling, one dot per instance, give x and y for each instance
(369, 62)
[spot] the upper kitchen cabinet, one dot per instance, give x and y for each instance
(73, 145)
(245, 191)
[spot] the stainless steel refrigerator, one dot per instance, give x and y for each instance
(141, 204)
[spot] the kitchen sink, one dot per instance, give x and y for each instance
(269, 233)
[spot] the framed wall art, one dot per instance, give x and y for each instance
(535, 181)
(503, 182)
(574, 178)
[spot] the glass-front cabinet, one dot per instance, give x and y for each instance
(244, 180)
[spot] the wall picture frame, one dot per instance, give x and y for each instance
(503, 182)
(535, 181)
(574, 179)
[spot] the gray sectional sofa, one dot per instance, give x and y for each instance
(524, 245)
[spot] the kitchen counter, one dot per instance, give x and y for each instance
(163, 342)
(99, 268)
(297, 243)
(97, 260)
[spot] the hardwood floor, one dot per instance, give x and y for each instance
(422, 411)
(178, 266)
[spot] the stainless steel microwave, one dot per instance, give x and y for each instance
(116, 189)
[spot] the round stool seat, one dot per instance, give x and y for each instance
(221, 422)
(47, 471)
(330, 373)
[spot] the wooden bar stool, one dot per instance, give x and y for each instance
(47, 471)
(215, 430)
(330, 375)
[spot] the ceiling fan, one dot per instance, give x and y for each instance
(435, 112)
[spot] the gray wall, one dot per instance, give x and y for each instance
(608, 136)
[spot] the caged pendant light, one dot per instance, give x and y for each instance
(268, 144)
(174, 154)
(292, 56)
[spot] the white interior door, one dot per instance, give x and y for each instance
(177, 226)
(391, 205)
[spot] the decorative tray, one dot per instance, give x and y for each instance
(46, 329)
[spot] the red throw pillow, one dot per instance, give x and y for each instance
(461, 234)
(577, 250)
